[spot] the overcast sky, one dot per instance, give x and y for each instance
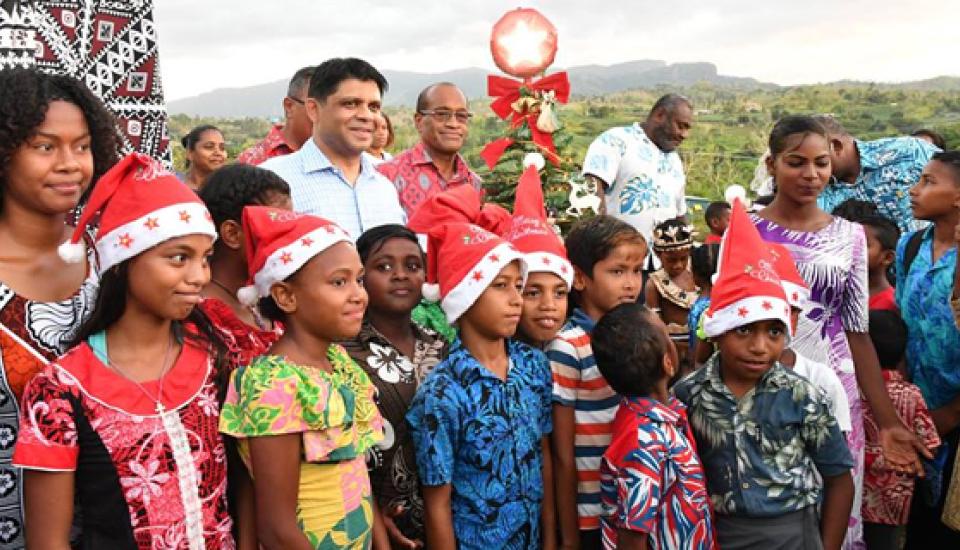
(225, 43)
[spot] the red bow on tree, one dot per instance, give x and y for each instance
(507, 91)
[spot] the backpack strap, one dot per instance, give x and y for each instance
(911, 250)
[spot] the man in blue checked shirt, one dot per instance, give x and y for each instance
(880, 172)
(329, 176)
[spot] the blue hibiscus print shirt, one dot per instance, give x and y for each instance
(482, 435)
(933, 341)
(889, 167)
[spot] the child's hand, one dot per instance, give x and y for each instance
(394, 532)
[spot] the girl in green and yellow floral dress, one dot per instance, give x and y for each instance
(315, 404)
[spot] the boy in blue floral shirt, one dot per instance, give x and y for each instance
(763, 432)
(481, 418)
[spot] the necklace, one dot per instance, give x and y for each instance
(158, 400)
(257, 318)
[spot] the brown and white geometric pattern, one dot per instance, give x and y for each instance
(109, 45)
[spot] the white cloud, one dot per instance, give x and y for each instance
(220, 43)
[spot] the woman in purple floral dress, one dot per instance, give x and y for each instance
(831, 254)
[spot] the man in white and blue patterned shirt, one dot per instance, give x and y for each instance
(638, 173)
(329, 176)
(880, 172)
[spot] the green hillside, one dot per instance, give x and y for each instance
(730, 130)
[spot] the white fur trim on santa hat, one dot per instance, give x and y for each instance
(287, 260)
(534, 159)
(546, 262)
(797, 295)
(459, 299)
(745, 311)
(142, 234)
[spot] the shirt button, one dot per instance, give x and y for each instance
(745, 485)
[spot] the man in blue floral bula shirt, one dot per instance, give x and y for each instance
(880, 172)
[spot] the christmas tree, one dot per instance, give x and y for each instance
(523, 44)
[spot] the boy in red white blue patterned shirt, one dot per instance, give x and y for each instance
(653, 488)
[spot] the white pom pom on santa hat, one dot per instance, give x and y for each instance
(248, 295)
(534, 159)
(72, 253)
(431, 292)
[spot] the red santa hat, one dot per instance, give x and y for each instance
(472, 259)
(140, 204)
(278, 243)
(463, 204)
(794, 286)
(531, 234)
(747, 288)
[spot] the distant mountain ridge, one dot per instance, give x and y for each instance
(264, 100)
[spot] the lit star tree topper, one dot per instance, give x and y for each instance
(523, 43)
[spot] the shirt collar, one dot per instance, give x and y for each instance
(420, 156)
(582, 320)
(275, 139)
(464, 363)
(369, 333)
(868, 156)
(773, 378)
(670, 411)
(315, 161)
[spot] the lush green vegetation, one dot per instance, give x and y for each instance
(729, 135)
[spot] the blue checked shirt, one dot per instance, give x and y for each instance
(889, 167)
(318, 187)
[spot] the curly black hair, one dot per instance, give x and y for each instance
(25, 95)
(629, 348)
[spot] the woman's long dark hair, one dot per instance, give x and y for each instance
(112, 302)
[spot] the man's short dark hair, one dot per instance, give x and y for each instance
(328, 75)
(715, 209)
(300, 81)
(832, 125)
(629, 348)
(669, 103)
(889, 336)
(593, 239)
(424, 95)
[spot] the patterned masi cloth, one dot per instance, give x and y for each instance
(111, 46)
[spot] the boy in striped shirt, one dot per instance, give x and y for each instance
(607, 256)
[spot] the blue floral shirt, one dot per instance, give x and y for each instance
(761, 453)
(889, 167)
(933, 341)
(483, 435)
(693, 320)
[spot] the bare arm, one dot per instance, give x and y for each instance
(565, 475)
(837, 502)
(651, 296)
(48, 504)
(439, 517)
(380, 539)
(246, 519)
(548, 510)
(631, 540)
(900, 446)
(276, 471)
